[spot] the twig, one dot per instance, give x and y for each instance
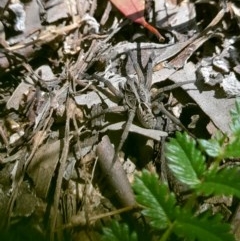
(63, 159)
(77, 220)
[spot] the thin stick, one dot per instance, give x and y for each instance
(63, 159)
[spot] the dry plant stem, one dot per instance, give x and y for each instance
(187, 48)
(77, 221)
(78, 132)
(84, 59)
(48, 35)
(93, 7)
(3, 137)
(114, 173)
(115, 212)
(63, 159)
(180, 60)
(87, 195)
(116, 29)
(185, 54)
(106, 13)
(215, 21)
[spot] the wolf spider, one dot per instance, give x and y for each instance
(136, 100)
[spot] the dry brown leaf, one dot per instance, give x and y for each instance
(134, 10)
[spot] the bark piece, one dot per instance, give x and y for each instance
(114, 173)
(42, 167)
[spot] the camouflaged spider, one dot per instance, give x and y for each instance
(136, 99)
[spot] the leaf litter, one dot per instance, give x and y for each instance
(60, 127)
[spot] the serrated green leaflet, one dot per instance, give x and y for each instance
(118, 232)
(159, 203)
(223, 182)
(235, 115)
(233, 148)
(235, 127)
(185, 160)
(206, 228)
(211, 147)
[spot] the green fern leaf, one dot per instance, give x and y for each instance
(118, 232)
(159, 203)
(223, 182)
(185, 160)
(205, 228)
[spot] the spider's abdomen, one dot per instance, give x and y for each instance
(146, 117)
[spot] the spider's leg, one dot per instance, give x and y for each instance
(114, 109)
(124, 135)
(170, 87)
(137, 68)
(132, 88)
(110, 86)
(175, 120)
(149, 72)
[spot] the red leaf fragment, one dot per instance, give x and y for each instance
(134, 10)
